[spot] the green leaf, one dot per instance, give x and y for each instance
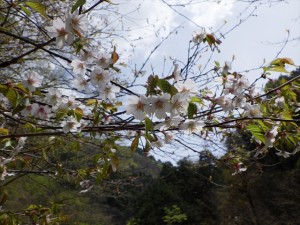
(148, 124)
(4, 131)
(164, 85)
(279, 69)
(38, 7)
(61, 113)
(12, 96)
(3, 89)
(77, 5)
(135, 144)
(217, 64)
(192, 110)
(282, 61)
(147, 147)
(25, 10)
(257, 132)
(197, 100)
(4, 196)
(78, 114)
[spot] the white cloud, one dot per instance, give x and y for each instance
(147, 22)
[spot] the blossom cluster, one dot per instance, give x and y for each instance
(92, 76)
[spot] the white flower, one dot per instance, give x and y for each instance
(279, 102)
(226, 68)
(270, 136)
(192, 126)
(58, 30)
(137, 106)
(70, 125)
(239, 101)
(4, 102)
(20, 145)
(158, 143)
(76, 23)
(225, 102)
(168, 137)
(241, 83)
(179, 103)
(239, 169)
(109, 91)
(42, 112)
(189, 86)
(176, 73)
(252, 111)
(169, 122)
(81, 84)
(160, 105)
(284, 154)
(222, 80)
(87, 185)
(104, 60)
(69, 102)
(30, 109)
(252, 92)
(32, 81)
(53, 96)
(198, 38)
(87, 55)
(99, 77)
(79, 67)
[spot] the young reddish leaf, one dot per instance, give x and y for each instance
(114, 56)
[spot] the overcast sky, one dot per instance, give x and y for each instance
(260, 38)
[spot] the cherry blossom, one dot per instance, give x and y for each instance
(198, 38)
(279, 102)
(192, 126)
(179, 103)
(226, 68)
(168, 137)
(252, 111)
(168, 123)
(59, 31)
(283, 154)
(176, 72)
(137, 106)
(189, 86)
(32, 81)
(109, 91)
(160, 105)
(225, 102)
(99, 77)
(239, 169)
(222, 80)
(81, 84)
(70, 125)
(42, 112)
(30, 109)
(270, 136)
(69, 102)
(103, 60)
(76, 23)
(79, 67)
(53, 96)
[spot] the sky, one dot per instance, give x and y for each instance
(255, 42)
(259, 38)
